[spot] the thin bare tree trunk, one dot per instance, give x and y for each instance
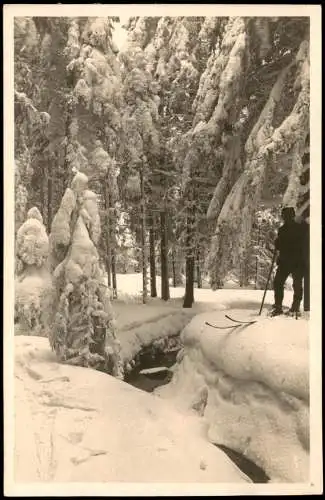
(198, 271)
(114, 283)
(164, 256)
(190, 258)
(174, 268)
(152, 258)
(49, 202)
(189, 286)
(143, 242)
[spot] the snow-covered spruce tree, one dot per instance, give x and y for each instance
(82, 327)
(141, 146)
(177, 72)
(33, 279)
(263, 145)
(26, 46)
(52, 156)
(219, 102)
(252, 270)
(175, 50)
(141, 32)
(105, 172)
(169, 46)
(216, 103)
(95, 76)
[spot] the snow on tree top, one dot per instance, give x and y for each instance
(32, 244)
(34, 213)
(79, 182)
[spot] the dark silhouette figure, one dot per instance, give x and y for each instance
(291, 245)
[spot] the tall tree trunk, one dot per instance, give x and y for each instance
(143, 242)
(244, 278)
(42, 195)
(113, 263)
(189, 286)
(164, 256)
(152, 258)
(189, 259)
(112, 227)
(198, 271)
(49, 201)
(174, 268)
(179, 262)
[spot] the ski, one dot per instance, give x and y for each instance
(222, 327)
(241, 322)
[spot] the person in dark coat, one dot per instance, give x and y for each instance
(291, 247)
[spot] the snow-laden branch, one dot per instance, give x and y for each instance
(236, 217)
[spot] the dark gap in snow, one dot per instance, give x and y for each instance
(148, 360)
(253, 471)
(161, 353)
(150, 381)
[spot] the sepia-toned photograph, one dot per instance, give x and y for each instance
(162, 328)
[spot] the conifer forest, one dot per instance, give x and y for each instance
(160, 252)
(169, 155)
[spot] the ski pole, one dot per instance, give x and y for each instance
(267, 282)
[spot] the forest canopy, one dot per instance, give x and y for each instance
(192, 137)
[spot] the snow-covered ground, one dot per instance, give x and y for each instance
(139, 325)
(246, 388)
(129, 288)
(251, 385)
(74, 424)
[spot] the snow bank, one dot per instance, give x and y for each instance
(140, 326)
(251, 384)
(135, 339)
(74, 424)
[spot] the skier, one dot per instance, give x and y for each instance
(291, 246)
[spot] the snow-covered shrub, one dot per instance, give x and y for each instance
(32, 246)
(30, 301)
(82, 324)
(33, 280)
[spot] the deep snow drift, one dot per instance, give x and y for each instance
(76, 424)
(252, 399)
(251, 384)
(140, 325)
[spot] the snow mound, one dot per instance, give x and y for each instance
(31, 291)
(251, 384)
(32, 244)
(140, 326)
(75, 424)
